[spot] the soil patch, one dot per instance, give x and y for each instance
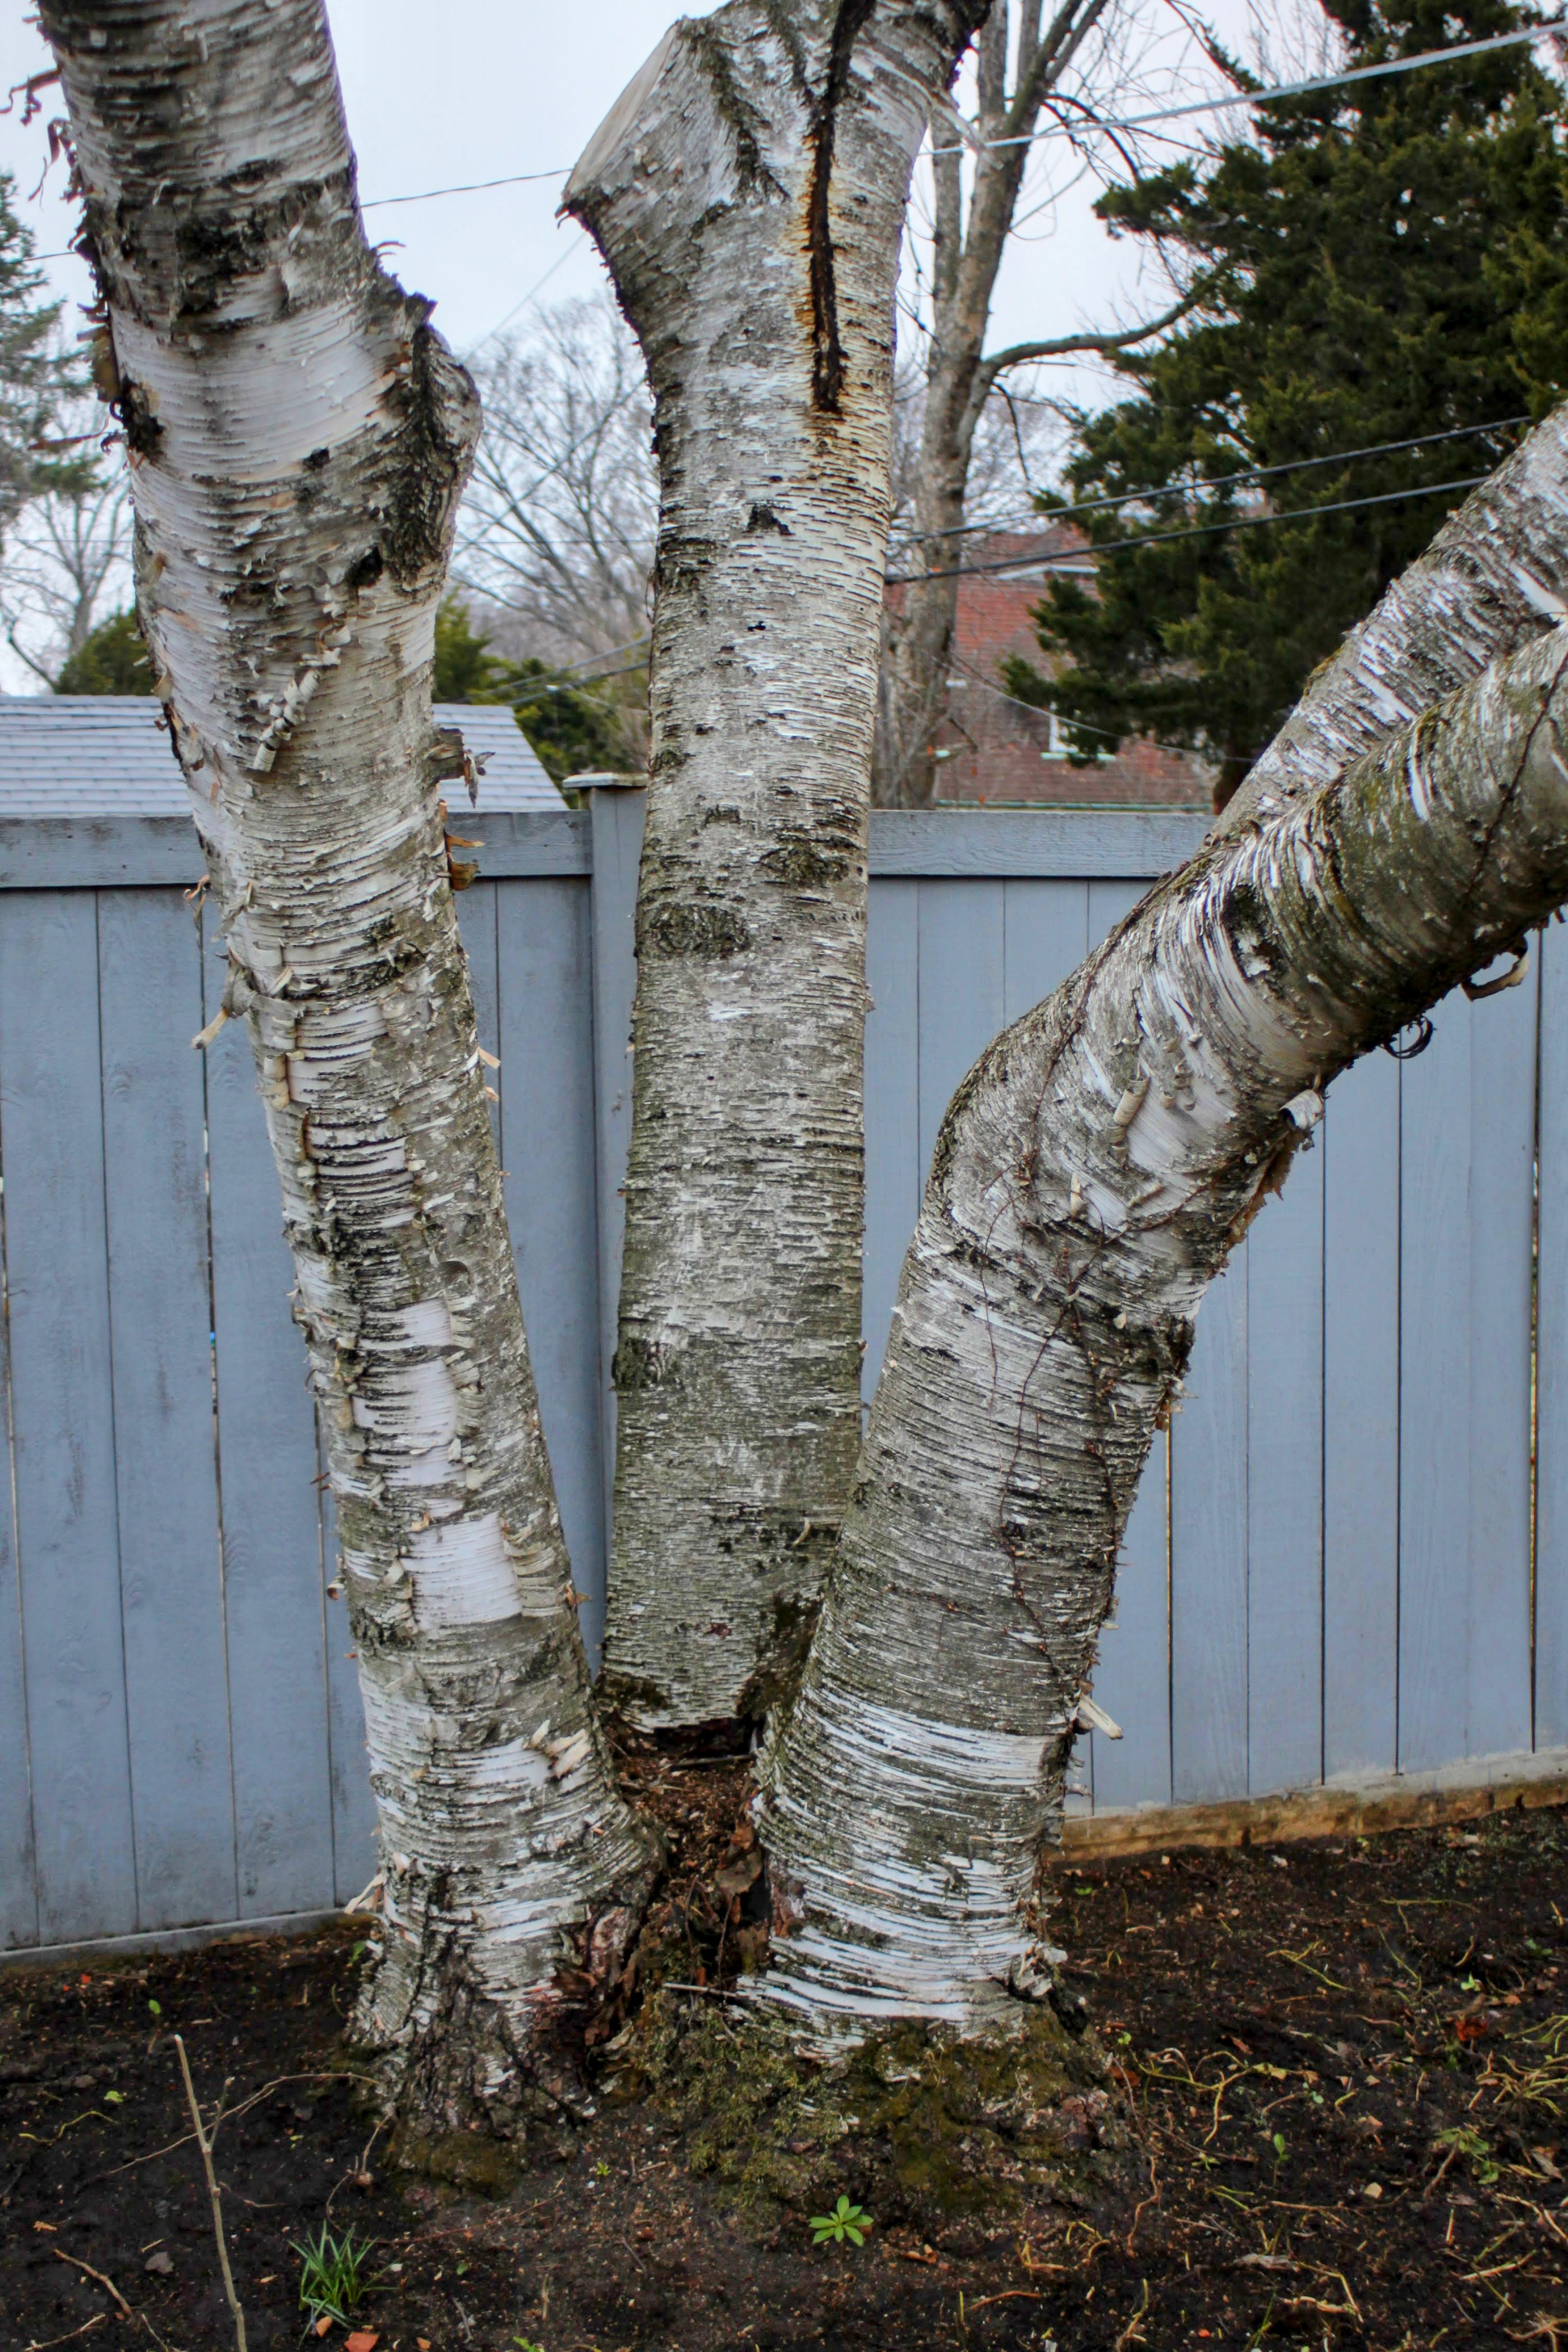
(1345, 2068)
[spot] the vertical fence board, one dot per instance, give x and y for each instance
(19, 1880)
(547, 1053)
(1136, 1651)
(1209, 1552)
(615, 818)
(1108, 902)
(478, 913)
(960, 992)
(1132, 1678)
(1045, 936)
(271, 1516)
(1361, 1418)
(1552, 1372)
(1284, 1482)
(1500, 1242)
(51, 1117)
(1434, 1390)
(892, 1164)
(171, 1576)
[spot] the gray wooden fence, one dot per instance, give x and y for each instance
(1346, 1559)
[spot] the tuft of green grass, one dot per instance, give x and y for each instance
(845, 2220)
(333, 2280)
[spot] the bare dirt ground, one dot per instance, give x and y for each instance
(1341, 2072)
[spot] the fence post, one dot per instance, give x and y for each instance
(615, 809)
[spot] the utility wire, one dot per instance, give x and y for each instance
(464, 188)
(1219, 482)
(525, 690)
(1062, 130)
(1264, 97)
(1043, 711)
(1192, 530)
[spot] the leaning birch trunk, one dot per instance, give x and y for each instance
(747, 193)
(1091, 1176)
(298, 437)
(1494, 577)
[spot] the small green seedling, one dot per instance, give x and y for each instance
(1462, 2141)
(1279, 2146)
(602, 2170)
(156, 2007)
(332, 2281)
(527, 2344)
(845, 2220)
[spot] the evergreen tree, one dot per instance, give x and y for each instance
(568, 727)
(1385, 262)
(573, 729)
(112, 660)
(465, 669)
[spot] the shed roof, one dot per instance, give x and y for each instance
(106, 755)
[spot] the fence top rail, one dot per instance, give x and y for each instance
(1068, 844)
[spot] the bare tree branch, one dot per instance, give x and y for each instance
(1020, 355)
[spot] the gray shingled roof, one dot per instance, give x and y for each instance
(105, 755)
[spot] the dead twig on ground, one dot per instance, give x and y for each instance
(98, 2320)
(205, 2143)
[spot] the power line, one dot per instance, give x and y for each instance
(1043, 710)
(1064, 130)
(1217, 482)
(1192, 530)
(523, 689)
(464, 188)
(1263, 96)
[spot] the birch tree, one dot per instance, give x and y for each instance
(298, 437)
(748, 193)
(1091, 1175)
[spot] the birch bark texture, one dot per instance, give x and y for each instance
(1494, 577)
(1092, 1174)
(747, 193)
(298, 437)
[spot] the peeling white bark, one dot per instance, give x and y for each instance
(1091, 1176)
(748, 193)
(1495, 577)
(298, 437)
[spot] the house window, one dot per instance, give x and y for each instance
(1055, 744)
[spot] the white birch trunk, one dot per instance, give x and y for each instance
(1495, 576)
(748, 193)
(1091, 1176)
(298, 437)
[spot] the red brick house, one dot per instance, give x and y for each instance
(994, 750)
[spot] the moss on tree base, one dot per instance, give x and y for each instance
(918, 2123)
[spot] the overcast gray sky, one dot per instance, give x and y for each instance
(440, 91)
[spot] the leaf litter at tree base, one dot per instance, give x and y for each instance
(1344, 2081)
